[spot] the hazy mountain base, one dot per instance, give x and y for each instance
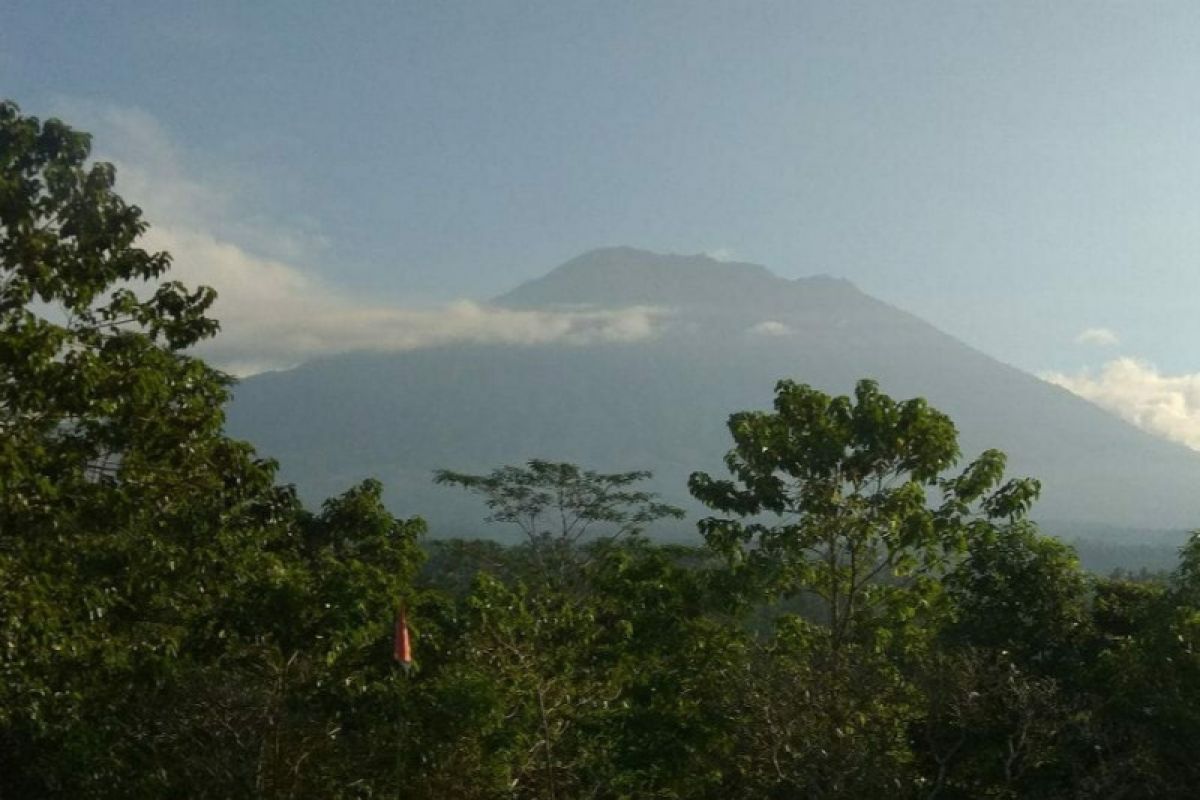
(1105, 550)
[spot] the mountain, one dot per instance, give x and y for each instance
(726, 333)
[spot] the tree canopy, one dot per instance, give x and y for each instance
(159, 592)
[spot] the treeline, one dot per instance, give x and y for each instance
(862, 619)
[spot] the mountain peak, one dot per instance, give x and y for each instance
(612, 277)
(625, 257)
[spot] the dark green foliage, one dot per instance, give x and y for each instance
(170, 617)
(1018, 592)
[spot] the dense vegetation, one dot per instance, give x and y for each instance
(862, 619)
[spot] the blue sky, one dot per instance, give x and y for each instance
(1017, 173)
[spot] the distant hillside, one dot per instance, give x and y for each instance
(729, 332)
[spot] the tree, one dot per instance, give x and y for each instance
(1144, 682)
(556, 505)
(96, 384)
(849, 481)
(609, 690)
(113, 468)
(172, 621)
(1003, 714)
(1019, 592)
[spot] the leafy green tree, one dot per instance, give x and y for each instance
(806, 723)
(557, 506)
(1003, 713)
(124, 513)
(1018, 591)
(611, 690)
(1144, 682)
(172, 622)
(672, 648)
(849, 482)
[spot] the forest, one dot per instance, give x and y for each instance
(867, 612)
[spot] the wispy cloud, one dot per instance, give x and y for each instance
(769, 327)
(1166, 405)
(275, 312)
(1098, 336)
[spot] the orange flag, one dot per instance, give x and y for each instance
(402, 647)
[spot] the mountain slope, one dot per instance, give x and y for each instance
(729, 331)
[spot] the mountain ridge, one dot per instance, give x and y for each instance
(614, 276)
(661, 403)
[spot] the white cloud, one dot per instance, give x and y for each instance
(1098, 336)
(275, 313)
(722, 254)
(770, 327)
(1166, 405)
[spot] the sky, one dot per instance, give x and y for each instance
(1024, 175)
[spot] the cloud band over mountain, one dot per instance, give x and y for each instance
(275, 313)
